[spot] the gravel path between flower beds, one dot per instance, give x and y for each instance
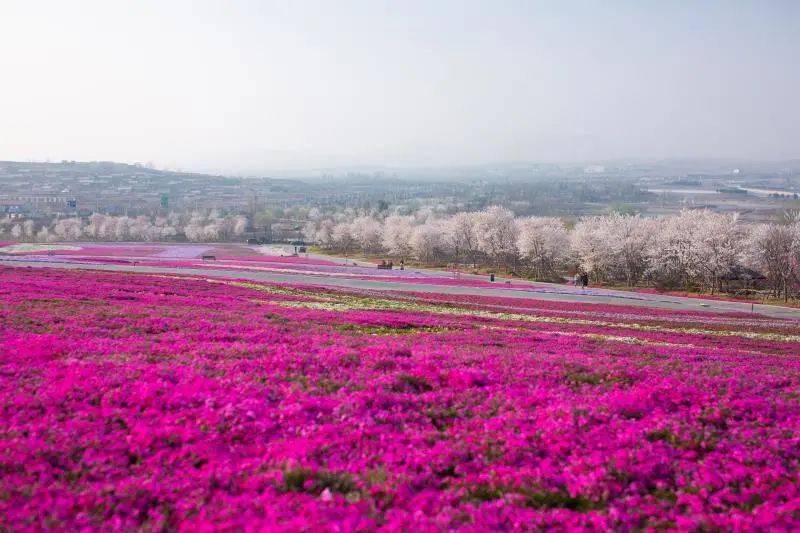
(542, 292)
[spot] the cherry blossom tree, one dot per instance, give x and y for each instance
(44, 235)
(428, 241)
(673, 257)
(93, 230)
(367, 232)
(774, 250)
(496, 233)
(695, 247)
(721, 243)
(28, 229)
(613, 247)
(462, 237)
(543, 243)
(342, 236)
(397, 231)
(68, 229)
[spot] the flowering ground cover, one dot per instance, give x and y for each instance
(759, 297)
(30, 248)
(188, 253)
(226, 257)
(274, 259)
(164, 402)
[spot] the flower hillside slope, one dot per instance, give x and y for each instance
(161, 402)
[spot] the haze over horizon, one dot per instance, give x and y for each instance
(248, 86)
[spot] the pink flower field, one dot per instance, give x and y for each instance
(158, 402)
(234, 257)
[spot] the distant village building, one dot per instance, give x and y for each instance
(10, 208)
(594, 169)
(286, 231)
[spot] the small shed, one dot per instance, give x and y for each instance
(741, 277)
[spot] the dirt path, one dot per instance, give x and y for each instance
(538, 291)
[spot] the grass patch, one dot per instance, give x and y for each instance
(411, 383)
(533, 498)
(314, 482)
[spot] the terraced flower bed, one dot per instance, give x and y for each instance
(230, 257)
(164, 402)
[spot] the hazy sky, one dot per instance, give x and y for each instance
(249, 86)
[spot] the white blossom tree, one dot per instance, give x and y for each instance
(695, 247)
(367, 233)
(774, 250)
(44, 235)
(543, 243)
(342, 236)
(721, 243)
(496, 233)
(673, 258)
(397, 231)
(428, 241)
(462, 237)
(613, 247)
(239, 225)
(68, 229)
(28, 229)
(94, 228)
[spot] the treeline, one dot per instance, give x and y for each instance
(697, 249)
(195, 227)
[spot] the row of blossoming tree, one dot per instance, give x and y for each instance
(195, 227)
(696, 248)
